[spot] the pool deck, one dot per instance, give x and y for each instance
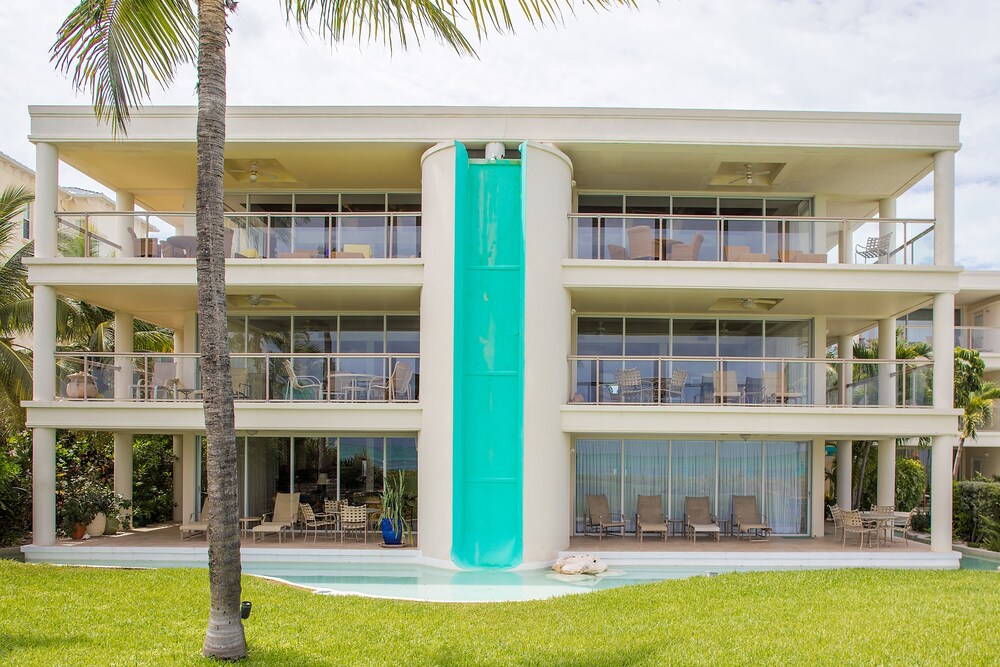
(159, 545)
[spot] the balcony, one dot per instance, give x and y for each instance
(264, 378)
(743, 381)
(384, 235)
(796, 240)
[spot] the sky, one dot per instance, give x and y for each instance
(935, 56)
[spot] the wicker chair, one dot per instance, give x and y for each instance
(632, 387)
(854, 524)
(310, 520)
(640, 243)
(354, 519)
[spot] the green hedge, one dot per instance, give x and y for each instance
(911, 482)
(976, 513)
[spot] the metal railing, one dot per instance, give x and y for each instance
(252, 236)
(751, 239)
(278, 377)
(750, 381)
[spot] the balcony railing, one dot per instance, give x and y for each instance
(751, 239)
(983, 339)
(257, 236)
(272, 378)
(750, 381)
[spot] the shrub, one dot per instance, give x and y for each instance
(15, 492)
(976, 507)
(153, 473)
(911, 482)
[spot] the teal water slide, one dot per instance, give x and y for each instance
(488, 445)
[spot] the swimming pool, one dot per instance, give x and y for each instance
(970, 562)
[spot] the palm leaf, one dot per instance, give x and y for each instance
(114, 47)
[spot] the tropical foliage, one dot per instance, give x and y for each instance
(975, 396)
(977, 512)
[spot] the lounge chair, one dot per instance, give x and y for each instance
(197, 525)
(284, 516)
(698, 518)
(649, 517)
(748, 521)
(599, 516)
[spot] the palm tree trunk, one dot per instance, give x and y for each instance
(958, 459)
(860, 482)
(224, 637)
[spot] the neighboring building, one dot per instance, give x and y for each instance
(521, 308)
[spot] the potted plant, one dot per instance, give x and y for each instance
(395, 527)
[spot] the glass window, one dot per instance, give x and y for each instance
(403, 334)
(739, 473)
(787, 208)
(316, 334)
(647, 463)
(236, 333)
(361, 469)
(786, 491)
(269, 334)
(598, 472)
(267, 471)
(600, 203)
(310, 461)
(692, 473)
(647, 205)
(408, 202)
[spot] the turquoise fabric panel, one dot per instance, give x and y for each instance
(488, 413)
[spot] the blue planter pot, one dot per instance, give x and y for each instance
(392, 534)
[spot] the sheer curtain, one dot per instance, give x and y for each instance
(739, 473)
(692, 473)
(646, 468)
(786, 486)
(598, 471)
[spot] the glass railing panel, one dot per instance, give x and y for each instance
(365, 235)
(981, 339)
(405, 234)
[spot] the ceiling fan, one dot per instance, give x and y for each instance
(748, 176)
(758, 304)
(257, 301)
(254, 172)
(749, 304)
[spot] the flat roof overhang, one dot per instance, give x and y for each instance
(263, 418)
(779, 422)
(854, 159)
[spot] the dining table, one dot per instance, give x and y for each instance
(353, 386)
(882, 521)
(183, 246)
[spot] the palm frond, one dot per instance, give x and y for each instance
(13, 199)
(112, 48)
(15, 373)
(153, 340)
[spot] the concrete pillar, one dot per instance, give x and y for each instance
(43, 486)
(886, 350)
(845, 350)
(818, 369)
(46, 199)
(437, 307)
(178, 477)
(124, 340)
(189, 476)
(123, 464)
(887, 211)
(845, 472)
(44, 358)
(818, 487)
(944, 208)
(547, 340)
(886, 490)
(941, 493)
(943, 344)
(124, 201)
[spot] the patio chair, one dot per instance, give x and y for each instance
(310, 520)
(164, 380)
(353, 518)
(363, 250)
(778, 390)
(753, 391)
(241, 382)
(284, 516)
(649, 517)
(837, 514)
(599, 516)
(906, 523)
(682, 252)
(617, 251)
(854, 524)
(741, 253)
(632, 387)
(301, 383)
(197, 524)
(885, 526)
(874, 248)
(698, 518)
(640, 243)
(747, 519)
(675, 387)
(144, 247)
(396, 386)
(725, 387)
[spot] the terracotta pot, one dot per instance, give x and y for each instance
(81, 385)
(96, 527)
(79, 530)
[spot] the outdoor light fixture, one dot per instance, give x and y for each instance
(245, 608)
(253, 172)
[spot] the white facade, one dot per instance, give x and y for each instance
(755, 222)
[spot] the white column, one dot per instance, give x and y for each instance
(941, 492)
(943, 344)
(178, 478)
(437, 317)
(547, 338)
(845, 350)
(886, 350)
(124, 201)
(44, 360)
(886, 489)
(43, 486)
(819, 367)
(818, 487)
(124, 340)
(46, 199)
(123, 464)
(944, 208)
(845, 472)
(887, 211)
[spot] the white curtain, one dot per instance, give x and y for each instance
(786, 486)
(692, 473)
(739, 473)
(646, 466)
(598, 471)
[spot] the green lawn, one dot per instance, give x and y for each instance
(77, 616)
